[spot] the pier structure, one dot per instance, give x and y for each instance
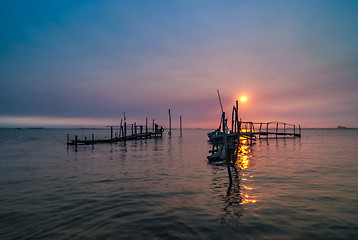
(270, 129)
(227, 142)
(123, 132)
(226, 139)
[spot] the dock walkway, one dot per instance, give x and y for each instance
(143, 133)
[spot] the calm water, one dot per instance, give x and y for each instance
(164, 188)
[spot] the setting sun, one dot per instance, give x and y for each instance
(243, 98)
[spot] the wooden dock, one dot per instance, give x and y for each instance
(227, 138)
(271, 129)
(226, 141)
(135, 131)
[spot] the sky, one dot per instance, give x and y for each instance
(84, 63)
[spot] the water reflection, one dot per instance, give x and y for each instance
(240, 192)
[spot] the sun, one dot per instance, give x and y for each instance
(243, 98)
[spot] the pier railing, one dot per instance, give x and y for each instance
(271, 129)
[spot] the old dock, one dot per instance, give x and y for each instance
(271, 129)
(226, 139)
(123, 132)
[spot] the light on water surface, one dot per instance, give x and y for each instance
(290, 188)
(242, 163)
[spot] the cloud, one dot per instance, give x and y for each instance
(294, 60)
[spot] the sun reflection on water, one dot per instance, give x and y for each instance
(240, 191)
(242, 163)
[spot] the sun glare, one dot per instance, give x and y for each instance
(243, 98)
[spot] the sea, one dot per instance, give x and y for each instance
(164, 188)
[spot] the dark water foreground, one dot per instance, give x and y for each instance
(164, 189)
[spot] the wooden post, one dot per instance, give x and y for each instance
(76, 140)
(237, 117)
(92, 138)
(227, 160)
(146, 125)
(125, 131)
(120, 131)
(170, 124)
(135, 128)
(68, 138)
(299, 127)
(250, 133)
(124, 125)
(111, 132)
(232, 119)
(260, 131)
(132, 128)
(267, 130)
(141, 130)
(181, 132)
(294, 130)
(153, 127)
(276, 129)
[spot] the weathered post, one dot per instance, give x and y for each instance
(237, 117)
(284, 130)
(111, 132)
(181, 132)
(267, 130)
(153, 127)
(125, 131)
(68, 138)
(299, 127)
(227, 160)
(141, 130)
(232, 119)
(251, 133)
(170, 124)
(120, 130)
(92, 138)
(76, 141)
(276, 129)
(294, 130)
(146, 125)
(260, 131)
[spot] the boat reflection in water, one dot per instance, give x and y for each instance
(240, 192)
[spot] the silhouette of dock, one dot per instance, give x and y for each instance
(123, 132)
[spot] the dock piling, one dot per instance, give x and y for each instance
(181, 133)
(146, 125)
(170, 124)
(125, 131)
(276, 129)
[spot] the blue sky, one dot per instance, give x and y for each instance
(84, 63)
